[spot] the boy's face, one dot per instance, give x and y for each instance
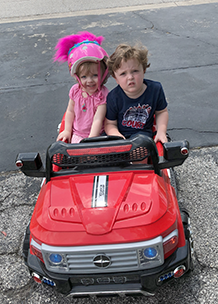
(130, 77)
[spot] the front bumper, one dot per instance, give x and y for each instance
(136, 282)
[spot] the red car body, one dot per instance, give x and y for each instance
(107, 221)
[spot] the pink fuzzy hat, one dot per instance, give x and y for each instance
(78, 48)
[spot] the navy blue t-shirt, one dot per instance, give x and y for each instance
(136, 115)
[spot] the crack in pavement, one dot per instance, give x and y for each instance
(203, 266)
(4, 198)
(17, 206)
(24, 290)
(18, 88)
(192, 129)
(165, 31)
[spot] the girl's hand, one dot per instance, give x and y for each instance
(98, 121)
(64, 136)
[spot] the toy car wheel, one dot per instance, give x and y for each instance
(188, 232)
(26, 243)
(173, 180)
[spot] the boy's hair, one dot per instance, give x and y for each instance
(86, 66)
(125, 52)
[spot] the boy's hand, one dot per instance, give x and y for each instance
(160, 137)
(161, 123)
(110, 127)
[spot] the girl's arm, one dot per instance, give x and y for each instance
(161, 122)
(98, 121)
(110, 127)
(66, 135)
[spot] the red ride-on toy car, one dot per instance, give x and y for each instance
(104, 223)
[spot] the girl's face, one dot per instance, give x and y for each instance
(130, 77)
(89, 78)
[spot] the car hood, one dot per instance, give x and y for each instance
(97, 203)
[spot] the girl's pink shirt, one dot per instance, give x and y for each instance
(85, 108)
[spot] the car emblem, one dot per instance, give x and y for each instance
(101, 261)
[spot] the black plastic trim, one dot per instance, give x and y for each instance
(148, 278)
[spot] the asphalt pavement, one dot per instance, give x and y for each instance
(182, 52)
(182, 41)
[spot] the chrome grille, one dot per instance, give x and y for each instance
(119, 260)
(110, 258)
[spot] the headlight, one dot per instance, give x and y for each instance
(55, 261)
(55, 258)
(151, 256)
(150, 253)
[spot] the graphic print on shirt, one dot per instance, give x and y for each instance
(136, 117)
(84, 107)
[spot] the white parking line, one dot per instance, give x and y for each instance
(40, 13)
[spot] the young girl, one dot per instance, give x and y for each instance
(87, 104)
(131, 106)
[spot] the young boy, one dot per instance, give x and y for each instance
(131, 105)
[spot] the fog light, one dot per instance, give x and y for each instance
(55, 258)
(166, 276)
(48, 282)
(179, 271)
(36, 278)
(150, 253)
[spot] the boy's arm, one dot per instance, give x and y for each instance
(98, 121)
(161, 122)
(69, 119)
(110, 127)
